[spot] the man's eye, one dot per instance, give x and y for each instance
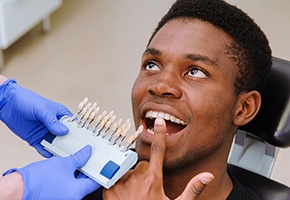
(151, 66)
(195, 72)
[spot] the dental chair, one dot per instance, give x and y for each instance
(257, 143)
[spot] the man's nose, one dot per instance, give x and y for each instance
(165, 84)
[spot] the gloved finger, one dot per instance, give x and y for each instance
(81, 157)
(40, 149)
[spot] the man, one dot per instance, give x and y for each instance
(202, 72)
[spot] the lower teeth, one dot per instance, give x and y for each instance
(151, 131)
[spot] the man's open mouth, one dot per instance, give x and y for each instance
(173, 124)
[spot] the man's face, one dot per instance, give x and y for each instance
(187, 78)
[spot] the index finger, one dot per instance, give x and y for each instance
(158, 146)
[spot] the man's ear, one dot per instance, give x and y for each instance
(248, 105)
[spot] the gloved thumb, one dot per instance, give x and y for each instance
(81, 157)
(85, 184)
(195, 186)
(51, 119)
(56, 127)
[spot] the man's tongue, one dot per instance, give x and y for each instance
(173, 128)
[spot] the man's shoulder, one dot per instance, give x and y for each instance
(241, 192)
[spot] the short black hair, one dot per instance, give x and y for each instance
(250, 47)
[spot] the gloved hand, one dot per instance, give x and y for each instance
(55, 178)
(29, 115)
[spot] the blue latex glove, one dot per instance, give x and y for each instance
(55, 178)
(29, 115)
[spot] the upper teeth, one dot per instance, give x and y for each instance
(166, 116)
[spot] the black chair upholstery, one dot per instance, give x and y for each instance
(266, 188)
(275, 106)
(272, 125)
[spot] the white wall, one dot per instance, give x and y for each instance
(273, 16)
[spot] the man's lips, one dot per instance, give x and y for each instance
(173, 124)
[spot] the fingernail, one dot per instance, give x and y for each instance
(159, 121)
(206, 180)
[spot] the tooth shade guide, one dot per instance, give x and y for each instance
(108, 124)
(86, 108)
(140, 129)
(119, 122)
(109, 141)
(132, 138)
(113, 118)
(88, 114)
(105, 125)
(86, 118)
(83, 113)
(111, 114)
(82, 104)
(98, 120)
(114, 127)
(91, 119)
(80, 107)
(101, 116)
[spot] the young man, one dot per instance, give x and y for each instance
(199, 81)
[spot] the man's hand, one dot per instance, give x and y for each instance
(146, 180)
(29, 115)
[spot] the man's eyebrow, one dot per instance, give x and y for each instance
(193, 57)
(152, 51)
(196, 57)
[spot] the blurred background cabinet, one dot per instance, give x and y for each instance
(18, 16)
